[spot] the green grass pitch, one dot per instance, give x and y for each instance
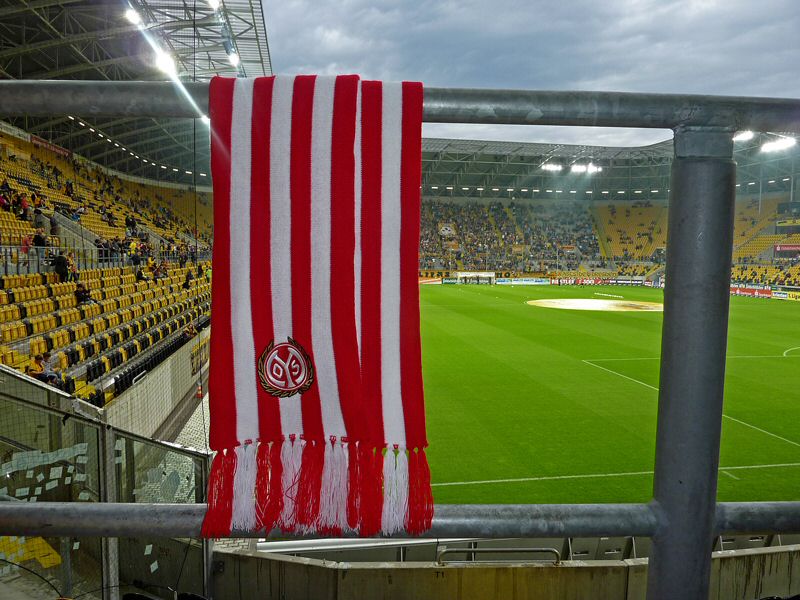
(517, 414)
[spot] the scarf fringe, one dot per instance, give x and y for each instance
(217, 522)
(311, 486)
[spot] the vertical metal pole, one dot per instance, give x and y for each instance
(696, 299)
(110, 545)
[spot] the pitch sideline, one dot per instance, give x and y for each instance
(600, 475)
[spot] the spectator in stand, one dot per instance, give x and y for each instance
(140, 276)
(187, 283)
(61, 267)
(72, 267)
(5, 204)
(208, 274)
(160, 272)
(24, 208)
(5, 188)
(40, 239)
(53, 225)
(38, 371)
(83, 296)
(27, 244)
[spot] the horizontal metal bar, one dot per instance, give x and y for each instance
(442, 105)
(451, 520)
(757, 517)
(444, 550)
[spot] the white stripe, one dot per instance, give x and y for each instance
(357, 260)
(280, 234)
(321, 334)
(393, 421)
(395, 491)
(243, 516)
(244, 367)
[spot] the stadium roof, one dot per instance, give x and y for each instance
(474, 168)
(93, 39)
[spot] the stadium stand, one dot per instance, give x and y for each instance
(571, 240)
(75, 322)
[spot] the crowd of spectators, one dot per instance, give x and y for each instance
(519, 237)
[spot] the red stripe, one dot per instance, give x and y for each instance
(343, 242)
(300, 181)
(269, 417)
(221, 399)
(410, 351)
(371, 140)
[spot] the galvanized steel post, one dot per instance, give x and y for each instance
(696, 300)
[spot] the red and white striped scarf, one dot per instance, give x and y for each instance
(315, 389)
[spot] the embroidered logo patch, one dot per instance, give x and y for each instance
(285, 369)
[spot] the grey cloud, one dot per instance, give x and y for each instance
(736, 47)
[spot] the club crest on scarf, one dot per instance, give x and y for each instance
(285, 369)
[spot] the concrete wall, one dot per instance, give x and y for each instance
(143, 408)
(736, 575)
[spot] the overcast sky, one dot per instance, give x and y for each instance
(736, 47)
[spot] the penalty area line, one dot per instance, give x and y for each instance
(604, 475)
(724, 416)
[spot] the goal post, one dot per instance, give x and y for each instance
(475, 277)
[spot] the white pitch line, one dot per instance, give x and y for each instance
(762, 431)
(593, 360)
(731, 475)
(786, 352)
(647, 385)
(724, 416)
(608, 295)
(600, 475)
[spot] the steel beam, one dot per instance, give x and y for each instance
(442, 105)
(84, 519)
(694, 340)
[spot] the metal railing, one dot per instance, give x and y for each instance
(683, 516)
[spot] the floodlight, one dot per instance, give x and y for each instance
(188, 172)
(743, 136)
(781, 143)
(551, 167)
(133, 17)
(653, 191)
(524, 190)
(163, 166)
(434, 187)
(214, 4)
(174, 169)
(479, 189)
(509, 189)
(202, 174)
(70, 117)
(578, 168)
(205, 119)
(449, 187)
(495, 189)
(165, 63)
(233, 58)
(465, 189)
